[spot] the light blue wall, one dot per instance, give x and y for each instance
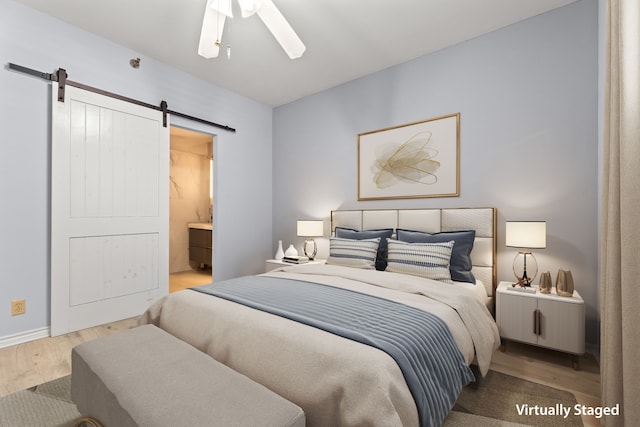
(243, 205)
(528, 99)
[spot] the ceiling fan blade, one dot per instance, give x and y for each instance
(222, 6)
(281, 29)
(212, 26)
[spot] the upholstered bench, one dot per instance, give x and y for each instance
(147, 377)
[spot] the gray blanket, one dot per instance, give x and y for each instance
(418, 341)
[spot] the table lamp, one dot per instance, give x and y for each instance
(310, 229)
(526, 235)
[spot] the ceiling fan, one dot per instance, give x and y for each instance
(217, 11)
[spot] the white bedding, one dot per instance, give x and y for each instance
(479, 290)
(336, 381)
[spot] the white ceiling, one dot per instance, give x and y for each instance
(345, 39)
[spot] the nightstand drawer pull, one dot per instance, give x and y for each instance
(537, 324)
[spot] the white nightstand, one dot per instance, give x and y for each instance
(545, 320)
(272, 264)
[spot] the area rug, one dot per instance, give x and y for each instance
(504, 397)
(491, 401)
(45, 405)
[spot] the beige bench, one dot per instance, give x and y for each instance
(147, 377)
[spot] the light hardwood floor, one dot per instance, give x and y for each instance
(35, 362)
(187, 279)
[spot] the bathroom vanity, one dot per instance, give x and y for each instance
(200, 243)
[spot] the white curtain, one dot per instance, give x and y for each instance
(620, 251)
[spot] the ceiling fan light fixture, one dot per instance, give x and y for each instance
(249, 7)
(217, 11)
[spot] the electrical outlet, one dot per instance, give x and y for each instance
(17, 307)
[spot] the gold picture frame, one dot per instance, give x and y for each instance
(414, 160)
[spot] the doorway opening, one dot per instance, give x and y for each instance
(191, 201)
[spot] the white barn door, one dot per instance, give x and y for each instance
(109, 209)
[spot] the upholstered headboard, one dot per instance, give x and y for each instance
(482, 220)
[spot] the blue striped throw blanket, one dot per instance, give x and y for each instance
(419, 342)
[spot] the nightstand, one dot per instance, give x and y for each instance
(545, 320)
(272, 264)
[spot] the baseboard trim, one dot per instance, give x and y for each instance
(24, 337)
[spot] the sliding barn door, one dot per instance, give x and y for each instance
(109, 209)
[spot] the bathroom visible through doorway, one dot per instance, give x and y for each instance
(190, 208)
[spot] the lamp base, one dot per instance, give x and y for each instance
(310, 248)
(522, 283)
(526, 290)
(525, 268)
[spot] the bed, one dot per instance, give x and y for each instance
(343, 375)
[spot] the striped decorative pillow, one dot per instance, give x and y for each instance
(353, 253)
(382, 233)
(430, 260)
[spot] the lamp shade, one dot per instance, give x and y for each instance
(526, 234)
(310, 228)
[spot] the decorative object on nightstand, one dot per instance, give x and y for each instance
(545, 282)
(526, 235)
(279, 252)
(296, 259)
(564, 283)
(272, 264)
(310, 229)
(291, 251)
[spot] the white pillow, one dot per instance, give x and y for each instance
(430, 260)
(353, 253)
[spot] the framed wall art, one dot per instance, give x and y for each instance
(420, 159)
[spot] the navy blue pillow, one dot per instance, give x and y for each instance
(383, 234)
(460, 256)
